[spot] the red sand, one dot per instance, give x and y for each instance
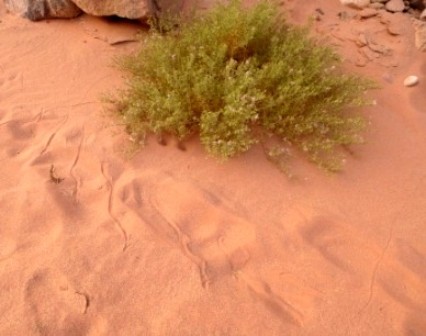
(209, 248)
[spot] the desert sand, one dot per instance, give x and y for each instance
(169, 242)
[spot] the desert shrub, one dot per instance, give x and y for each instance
(238, 75)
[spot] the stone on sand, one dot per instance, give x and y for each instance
(411, 81)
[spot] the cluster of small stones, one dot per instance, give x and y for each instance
(417, 8)
(394, 6)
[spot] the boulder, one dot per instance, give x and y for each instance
(130, 9)
(141, 9)
(36, 10)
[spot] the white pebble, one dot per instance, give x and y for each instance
(411, 81)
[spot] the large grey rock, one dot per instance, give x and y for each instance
(36, 10)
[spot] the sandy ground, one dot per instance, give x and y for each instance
(168, 242)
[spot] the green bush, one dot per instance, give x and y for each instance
(238, 75)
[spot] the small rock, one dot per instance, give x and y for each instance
(316, 17)
(343, 16)
(395, 6)
(357, 4)
(368, 53)
(377, 5)
(420, 34)
(319, 11)
(411, 81)
(378, 48)
(393, 22)
(423, 15)
(361, 62)
(367, 13)
(393, 29)
(361, 40)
